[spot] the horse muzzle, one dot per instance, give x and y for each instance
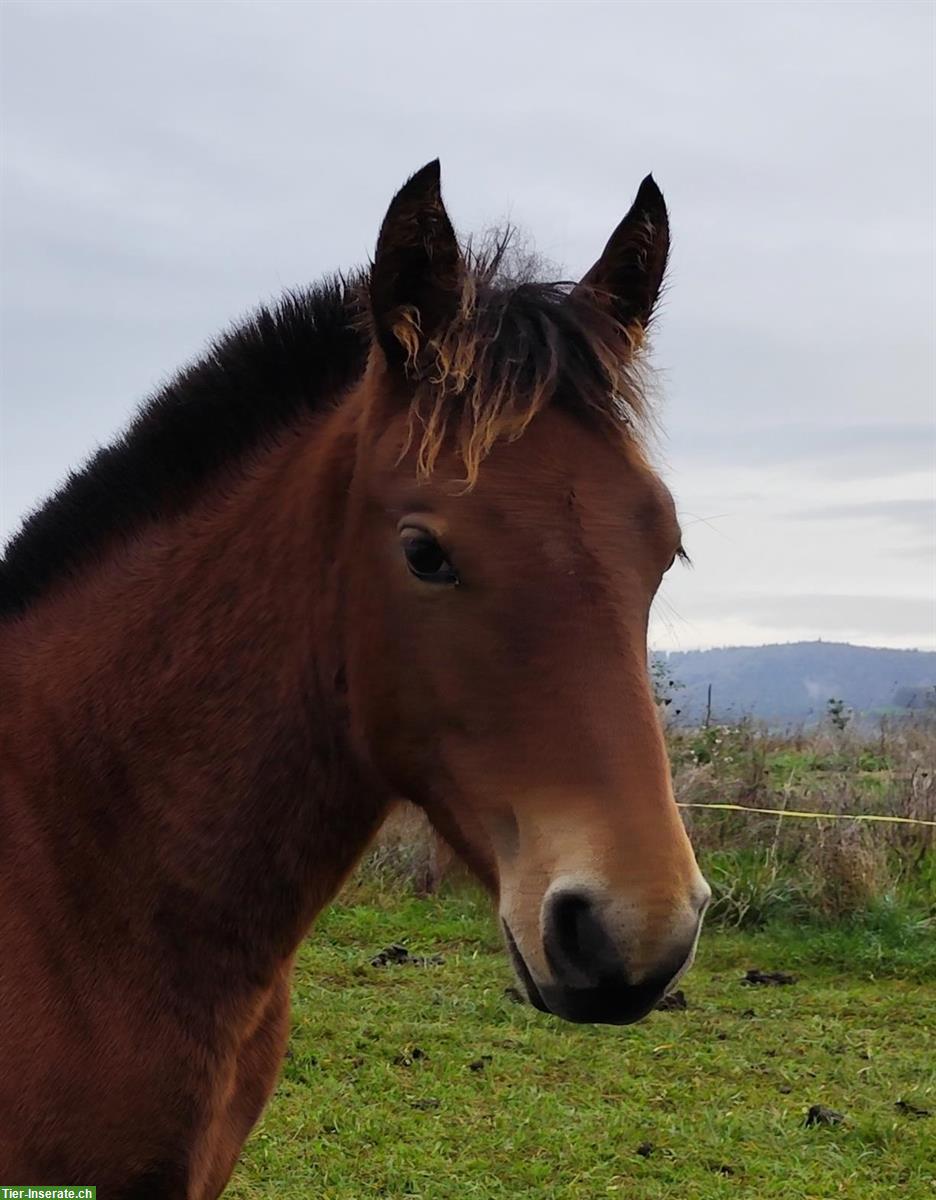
(593, 978)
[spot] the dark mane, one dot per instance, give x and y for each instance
(252, 382)
(514, 347)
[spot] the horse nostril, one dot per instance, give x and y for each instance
(576, 943)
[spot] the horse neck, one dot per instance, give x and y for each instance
(184, 713)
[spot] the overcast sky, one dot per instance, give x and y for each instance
(167, 166)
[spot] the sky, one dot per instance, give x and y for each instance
(166, 167)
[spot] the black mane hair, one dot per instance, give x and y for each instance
(254, 380)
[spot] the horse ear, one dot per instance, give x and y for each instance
(626, 279)
(415, 284)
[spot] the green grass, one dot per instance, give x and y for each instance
(557, 1112)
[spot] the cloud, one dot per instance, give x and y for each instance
(859, 615)
(839, 451)
(922, 552)
(918, 515)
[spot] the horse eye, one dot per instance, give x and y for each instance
(426, 559)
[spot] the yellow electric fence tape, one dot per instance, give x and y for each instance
(818, 816)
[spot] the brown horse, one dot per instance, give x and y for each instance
(321, 571)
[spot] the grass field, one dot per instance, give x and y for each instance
(431, 1082)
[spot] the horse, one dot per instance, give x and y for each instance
(395, 537)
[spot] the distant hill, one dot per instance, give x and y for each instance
(793, 683)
